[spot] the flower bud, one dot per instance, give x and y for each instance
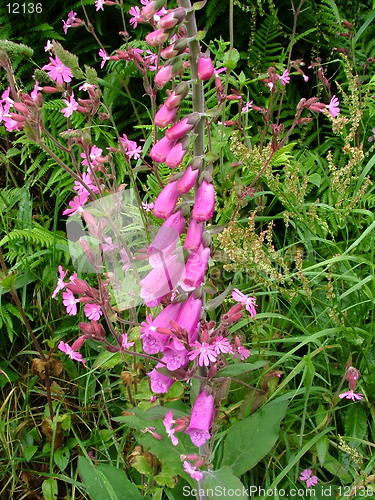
(188, 180)
(79, 342)
(175, 49)
(178, 95)
(183, 127)
(164, 116)
(176, 155)
(204, 202)
(163, 76)
(201, 417)
(205, 68)
(194, 233)
(161, 149)
(166, 201)
(151, 9)
(49, 90)
(173, 18)
(157, 37)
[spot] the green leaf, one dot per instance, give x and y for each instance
(199, 5)
(231, 58)
(108, 360)
(107, 482)
(364, 26)
(239, 368)
(13, 152)
(337, 469)
(49, 488)
(355, 423)
(61, 457)
(322, 448)
(142, 466)
(219, 481)
(261, 431)
(30, 452)
(165, 478)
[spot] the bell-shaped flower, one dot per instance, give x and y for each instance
(166, 201)
(204, 202)
(154, 342)
(188, 180)
(159, 383)
(175, 355)
(195, 269)
(166, 239)
(183, 127)
(176, 155)
(174, 17)
(201, 418)
(164, 116)
(178, 95)
(205, 68)
(189, 315)
(164, 75)
(161, 149)
(194, 234)
(157, 37)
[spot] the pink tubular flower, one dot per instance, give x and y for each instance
(75, 356)
(189, 315)
(351, 395)
(166, 239)
(164, 75)
(310, 480)
(204, 202)
(175, 16)
(71, 106)
(154, 342)
(192, 471)
(194, 235)
(157, 37)
(93, 311)
(206, 353)
(188, 180)
(245, 299)
(175, 355)
(70, 302)
(164, 116)
(201, 417)
(205, 68)
(166, 201)
(177, 96)
(285, 78)
(333, 107)
(161, 149)
(195, 269)
(352, 375)
(176, 155)
(159, 383)
(57, 71)
(183, 127)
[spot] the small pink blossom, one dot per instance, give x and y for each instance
(99, 4)
(124, 341)
(136, 13)
(104, 57)
(351, 395)
(131, 148)
(70, 302)
(34, 93)
(71, 106)
(60, 282)
(75, 356)
(245, 299)
(86, 178)
(206, 353)
(310, 480)
(71, 18)
(57, 71)
(109, 246)
(333, 107)
(192, 471)
(125, 259)
(49, 46)
(92, 311)
(95, 154)
(168, 423)
(151, 60)
(247, 107)
(147, 207)
(285, 78)
(76, 204)
(221, 344)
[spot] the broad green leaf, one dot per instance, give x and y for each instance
(217, 483)
(142, 466)
(165, 477)
(61, 457)
(337, 469)
(107, 482)
(321, 449)
(30, 452)
(355, 423)
(261, 431)
(108, 360)
(49, 488)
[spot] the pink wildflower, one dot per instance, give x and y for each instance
(247, 107)
(49, 46)
(136, 13)
(71, 18)
(95, 154)
(221, 344)
(205, 352)
(245, 299)
(124, 341)
(333, 106)
(147, 207)
(57, 71)
(76, 204)
(310, 480)
(168, 423)
(92, 311)
(86, 178)
(71, 106)
(99, 4)
(104, 57)
(34, 93)
(285, 78)
(75, 356)
(109, 246)
(60, 282)
(70, 302)
(192, 471)
(351, 395)
(372, 137)
(131, 148)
